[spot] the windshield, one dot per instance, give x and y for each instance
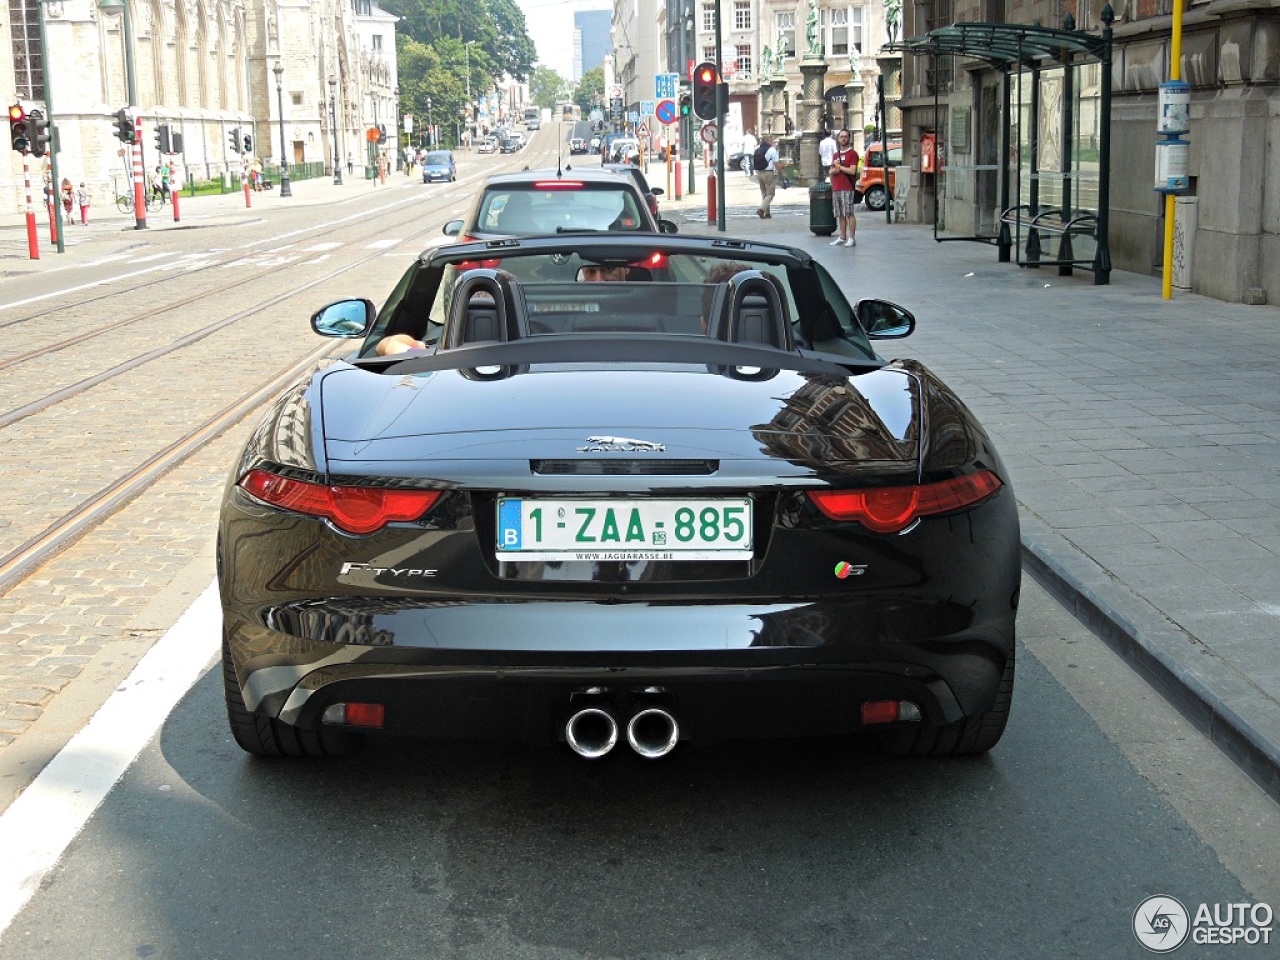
(440, 157)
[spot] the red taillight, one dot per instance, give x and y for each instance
(890, 509)
(557, 185)
(654, 261)
(353, 509)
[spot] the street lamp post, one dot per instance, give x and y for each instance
(398, 124)
(286, 189)
(333, 122)
(466, 47)
(431, 127)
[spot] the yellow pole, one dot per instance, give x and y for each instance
(1175, 73)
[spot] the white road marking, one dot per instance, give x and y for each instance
(40, 824)
(381, 244)
(320, 247)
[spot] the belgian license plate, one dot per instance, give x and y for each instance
(537, 529)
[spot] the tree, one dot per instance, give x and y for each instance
(546, 87)
(590, 92)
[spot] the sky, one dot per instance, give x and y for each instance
(550, 24)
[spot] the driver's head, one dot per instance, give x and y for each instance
(595, 272)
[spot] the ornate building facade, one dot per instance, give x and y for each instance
(206, 68)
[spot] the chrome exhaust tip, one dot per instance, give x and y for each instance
(591, 732)
(653, 732)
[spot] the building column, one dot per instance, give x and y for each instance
(812, 71)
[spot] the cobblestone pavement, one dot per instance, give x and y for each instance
(1143, 437)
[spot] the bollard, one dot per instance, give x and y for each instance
(712, 219)
(245, 181)
(173, 195)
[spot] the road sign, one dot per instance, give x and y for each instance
(666, 111)
(642, 130)
(373, 135)
(633, 116)
(646, 108)
(709, 133)
(664, 85)
(615, 92)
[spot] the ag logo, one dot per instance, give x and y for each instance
(1161, 924)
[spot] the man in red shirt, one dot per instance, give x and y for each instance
(844, 173)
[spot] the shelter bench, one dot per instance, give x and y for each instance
(1047, 220)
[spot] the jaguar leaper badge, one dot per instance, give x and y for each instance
(621, 445)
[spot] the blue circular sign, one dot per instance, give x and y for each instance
(665, 111)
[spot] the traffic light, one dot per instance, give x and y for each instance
(233, 138)
(175, 142)
(124, 126)
(382, 133)
(18, 128)
(704, 90)
(39, 127)
(686, 103)
(164, 138)
(248, 143)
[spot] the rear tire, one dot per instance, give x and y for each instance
(971, 735)
(266, 737)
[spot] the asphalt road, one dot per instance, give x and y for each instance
(804, 849)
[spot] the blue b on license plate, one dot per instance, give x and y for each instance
(560, 529)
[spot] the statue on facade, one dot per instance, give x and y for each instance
(892, 13)
(779, 58)
(813, 46)
(766, 61)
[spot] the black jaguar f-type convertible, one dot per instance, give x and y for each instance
(618, 489)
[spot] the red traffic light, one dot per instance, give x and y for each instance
(706, 75)
(17, 114)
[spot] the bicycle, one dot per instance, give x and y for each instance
(124, 202)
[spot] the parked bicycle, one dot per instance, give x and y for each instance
(124, 202)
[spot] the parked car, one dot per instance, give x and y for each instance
(549, 201)
(439, 165)
(651, 194)
(871, 184)
(488, 145)
(509, 145)
(640, 512)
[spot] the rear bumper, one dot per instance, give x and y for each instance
(511, 670)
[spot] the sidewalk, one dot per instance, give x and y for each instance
(1142, 434)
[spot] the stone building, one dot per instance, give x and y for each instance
(206, 68)
(1228, 236)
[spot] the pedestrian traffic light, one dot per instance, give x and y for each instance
(382, 133)
(124, 126)
(248, 143)
(38, 124)
(705, 80)
(686, 103)
(18, 128)
(233, 138)
(175, 142)
(164, 138)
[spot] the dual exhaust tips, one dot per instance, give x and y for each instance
(593, 730)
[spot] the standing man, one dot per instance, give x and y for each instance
(826, 153)
(748, 151)
(844, 171)
(766, 175)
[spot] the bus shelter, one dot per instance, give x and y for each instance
(1041, 193)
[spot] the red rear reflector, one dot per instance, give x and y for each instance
(880, 711)
(654, 261)
(557, 185)
(890, 509)
(365, 714)
(353, 509)
(472, 264)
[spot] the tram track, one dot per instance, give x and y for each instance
(93, 509)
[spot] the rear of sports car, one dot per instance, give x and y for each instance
(619, 557)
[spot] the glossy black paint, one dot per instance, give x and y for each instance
(422, 616)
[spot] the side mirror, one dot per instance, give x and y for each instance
(882, 320)
(667, 226)
(346, 319)
(657, 191)
(452, 228)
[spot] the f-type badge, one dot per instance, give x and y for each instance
(621, 445)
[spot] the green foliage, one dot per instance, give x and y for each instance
(546, 87)
(497, 27)
(590, 92)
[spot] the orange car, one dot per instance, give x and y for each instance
(870, 185)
